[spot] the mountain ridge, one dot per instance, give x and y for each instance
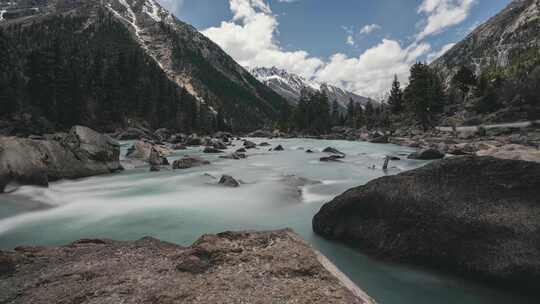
(186, 56)
(290, 86)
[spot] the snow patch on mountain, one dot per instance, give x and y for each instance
(290, 86)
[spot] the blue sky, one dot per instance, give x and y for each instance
(356, 44)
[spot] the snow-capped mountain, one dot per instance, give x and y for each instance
(291, 85)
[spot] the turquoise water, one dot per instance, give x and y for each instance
(179, 206)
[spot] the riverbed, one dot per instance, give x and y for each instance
(278, 189)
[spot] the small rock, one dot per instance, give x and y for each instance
(309, 151)
(179, 147)
(188, 162)
(332, 158)
(234, 155)
(211, 150)
(264, 144)
(241, 150)
(279, 148)
(333, 151)
(249, 144)
(229, 181)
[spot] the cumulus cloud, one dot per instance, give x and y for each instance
(370, 28)
(442, 14)
(250, 38)
(372, 72)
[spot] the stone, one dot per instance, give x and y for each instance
(234, 155)
(229, 181)
(279, 148)
(332, 158)
(249, 144)
(333, 151)
(211, 150)
(475, 215)
(80, 153)
(189, 162)
(426, 154)
(226, 268)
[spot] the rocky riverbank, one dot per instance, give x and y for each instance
(475, 215)
(36, 160)
(230, 267)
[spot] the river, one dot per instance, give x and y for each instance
(279, 189)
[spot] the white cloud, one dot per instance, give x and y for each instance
(350, 40)
(434, 55)
(250, 38)
(370, 28)
(442, 14)
(372, 72)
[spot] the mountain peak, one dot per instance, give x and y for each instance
(290, 86)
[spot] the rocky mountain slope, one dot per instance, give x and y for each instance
(182, 59)
(290, 86)
(504, 40)
(227, 268)
(504, 56)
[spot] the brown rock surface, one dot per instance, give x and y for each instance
(230, 267)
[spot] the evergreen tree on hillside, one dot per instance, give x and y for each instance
(395, 100)
(424, 97)
(464, 80)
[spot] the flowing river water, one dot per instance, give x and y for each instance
(280, 189)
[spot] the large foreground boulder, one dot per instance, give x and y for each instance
(474, 215)
(80, 153)
(227, 268)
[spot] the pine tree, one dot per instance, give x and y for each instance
(395, 100)
(424, 97)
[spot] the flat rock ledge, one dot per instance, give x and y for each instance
(479, 216)
(230, 267)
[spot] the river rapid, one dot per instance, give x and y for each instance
(278, 190)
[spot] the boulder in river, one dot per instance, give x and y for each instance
(234, 155)
(80, 153)
(264, 144)
(241, 150)
(148, 152)
(475, 215)
(333, 151)
(279, 148)
(211, 150)
(193, 140)
(332, 158)
(229, 181)
(189, 161)
(426, 154)
(249, 144)
(230, 267)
